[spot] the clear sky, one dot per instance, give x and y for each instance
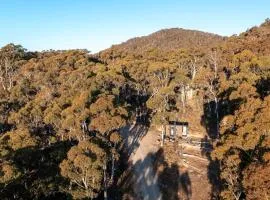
(97, 24)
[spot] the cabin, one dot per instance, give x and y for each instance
(177, 129)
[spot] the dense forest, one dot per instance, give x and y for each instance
(61, 112)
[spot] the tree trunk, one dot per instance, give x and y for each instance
(105, 182)
(183, 98)
(162, 136)
(10, 82)
(112, 173)
(217, 116)
(3, 83)
(193, 73)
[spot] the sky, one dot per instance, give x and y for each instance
(98, 24)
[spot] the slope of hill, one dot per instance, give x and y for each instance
(167, 40)
(255, 39)
(170, 39)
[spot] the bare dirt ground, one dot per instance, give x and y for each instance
(161, 173)
(141, 150)
(186, 177)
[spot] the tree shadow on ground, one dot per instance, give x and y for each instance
(213, 168)
(154, 178)
(132, 136)
(208, 120)
(173, 183)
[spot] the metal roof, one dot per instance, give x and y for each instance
(177, 123)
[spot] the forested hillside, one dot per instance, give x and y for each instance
(170, 39)
(61, 112)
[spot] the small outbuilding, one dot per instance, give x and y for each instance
(177, 129)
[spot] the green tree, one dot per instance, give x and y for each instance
(84, 169)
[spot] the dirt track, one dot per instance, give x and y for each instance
(141, 148)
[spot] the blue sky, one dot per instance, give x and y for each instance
(97, 24)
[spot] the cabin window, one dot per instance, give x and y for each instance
(184, 131)
(173, 131)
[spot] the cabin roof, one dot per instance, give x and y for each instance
(177, 123)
